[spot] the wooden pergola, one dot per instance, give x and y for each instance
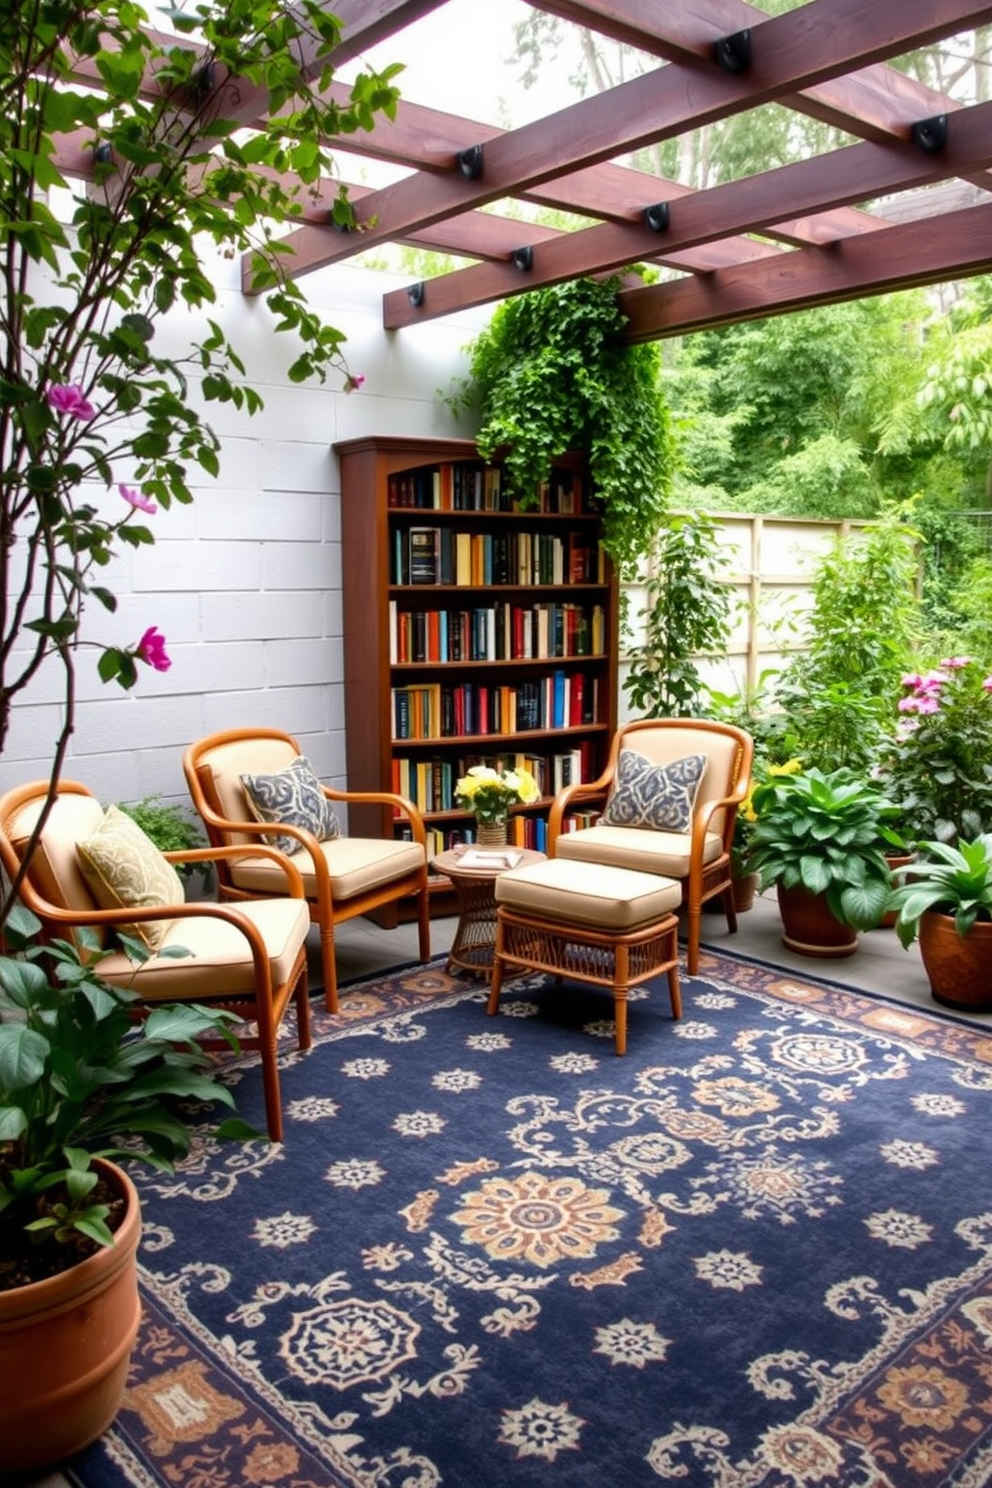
(906, 202)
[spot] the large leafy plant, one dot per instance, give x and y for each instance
(78, 1080)
(686, 616)
(835, 695)
(825, 833)
(189, 146)
(951, 880)
(551, 373)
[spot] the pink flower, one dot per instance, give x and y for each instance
(137, 499)
(912, 679)
(151, 649)
(354, 381)
(68, 398)
(921, 702)
(954, 663)
(987, 684)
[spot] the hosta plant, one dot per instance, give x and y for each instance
(78, 1080)
(827, 833)
(951, 880)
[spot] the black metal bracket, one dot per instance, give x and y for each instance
(415, 294)
(734, 52)
(931, 134)
(657, 217)
(523, 259)
(470, 162)
(202, 84)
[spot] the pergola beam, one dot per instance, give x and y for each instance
(854, 174)
(792, 51)
(914, 255)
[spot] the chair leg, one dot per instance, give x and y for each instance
(302, 998)
(330, 969)
(424, 923)
(621, 986)
(270, 1084)
(729, 909)
(694, 928)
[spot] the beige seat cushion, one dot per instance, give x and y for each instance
(589, 895)
(666, 853)
(219, 964)
(356, 864)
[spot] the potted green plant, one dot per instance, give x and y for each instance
(944, 899)
(820, 838)
(82, 1087)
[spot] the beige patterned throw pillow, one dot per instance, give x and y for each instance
(125, 870)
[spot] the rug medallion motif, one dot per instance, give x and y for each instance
(756, 1252)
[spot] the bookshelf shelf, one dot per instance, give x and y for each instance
(473, 634)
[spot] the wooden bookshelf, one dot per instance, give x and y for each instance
(474, 632)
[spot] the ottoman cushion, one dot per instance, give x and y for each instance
(588, 894)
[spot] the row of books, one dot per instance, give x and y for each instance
(437, 710)
(447, 555)
(497, 632)
(430, 783)
(473, 486)
(522, 831)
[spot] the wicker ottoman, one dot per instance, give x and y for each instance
(609, 926)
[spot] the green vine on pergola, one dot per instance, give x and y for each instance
(551, 373)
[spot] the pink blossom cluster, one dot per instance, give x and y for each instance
(924, 696)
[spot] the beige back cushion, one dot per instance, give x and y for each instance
(228, 762)
(55, 871)
(663, 745)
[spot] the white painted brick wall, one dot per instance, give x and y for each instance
(245, 583)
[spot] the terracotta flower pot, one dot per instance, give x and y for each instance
(745, 886)
(809, 926)
(959, 966)
(65, 1346)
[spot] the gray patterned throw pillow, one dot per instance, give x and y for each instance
(659, 797)
(293, 798)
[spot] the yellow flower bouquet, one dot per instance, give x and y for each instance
(490, 793)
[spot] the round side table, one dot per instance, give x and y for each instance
(474, 943)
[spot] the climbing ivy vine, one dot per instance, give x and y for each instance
(552, 373)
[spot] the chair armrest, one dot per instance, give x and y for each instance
(228, 854)
(402, 804)
(581, 791)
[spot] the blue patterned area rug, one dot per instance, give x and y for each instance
(754, 1253)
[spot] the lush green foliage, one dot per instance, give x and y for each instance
(89, 399)
(168, 825)
(835, 696)
(76, 1077)
(937, 766)
(950, 880)
(827, 833)
(686, 615)
(551, 373)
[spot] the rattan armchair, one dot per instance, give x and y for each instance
(342, 877)
(698, 854)
(250, 958)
